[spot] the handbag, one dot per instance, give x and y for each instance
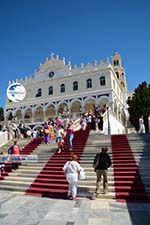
(96, 162)
(82, 174)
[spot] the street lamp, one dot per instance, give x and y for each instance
(108, 107)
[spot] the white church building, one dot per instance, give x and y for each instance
(59, 88)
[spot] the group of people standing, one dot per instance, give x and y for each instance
(59, 131)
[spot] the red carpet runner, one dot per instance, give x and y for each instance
(51, 181)
(128, 184)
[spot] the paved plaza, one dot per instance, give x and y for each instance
(26, 210)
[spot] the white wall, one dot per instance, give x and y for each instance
(3, 138)
(115, 126)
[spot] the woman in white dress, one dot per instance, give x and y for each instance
(71, 170)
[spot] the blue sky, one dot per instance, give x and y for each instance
(79, 30)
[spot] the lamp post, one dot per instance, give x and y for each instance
(109, 107)
(108, 119)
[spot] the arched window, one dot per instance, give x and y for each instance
(102, 81)
(75, 86)
(117, 74)
(116, 62)
(89, 83)
(50, 91)
(62, 88)
(39, 92)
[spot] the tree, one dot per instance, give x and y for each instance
(139, 105)
(1, 114)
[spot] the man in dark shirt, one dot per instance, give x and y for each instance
(102, 162)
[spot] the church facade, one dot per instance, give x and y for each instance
(59, 88)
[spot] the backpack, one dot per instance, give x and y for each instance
(10, 150)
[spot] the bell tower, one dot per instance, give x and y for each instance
(119, 70)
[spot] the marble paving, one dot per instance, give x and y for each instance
(18, 209)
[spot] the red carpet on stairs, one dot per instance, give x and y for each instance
(128, 184)
(29, 148)
(51, 181)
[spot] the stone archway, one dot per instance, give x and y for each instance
(28, 115)
(62, 108)
(9, 116)
(19, 115)
(103, 101)
(88, 106)
(39, 114)
(50, 112)
(75, 107)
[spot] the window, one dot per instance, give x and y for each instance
(116, 63)
(89, 83)
(62, 88)
(117, 73)
(39, 92)
(75, 86)
(50, 92)
(102, 81)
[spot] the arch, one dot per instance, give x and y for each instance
(75, 106)
(18, 114)
(9, 115)
(39, 114)
(37, 106)
(88, 104)
(38, 127)
(62, 108)
(28, 115)
(50, 111)
(103, 100)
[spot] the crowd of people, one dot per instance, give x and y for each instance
(61, 131)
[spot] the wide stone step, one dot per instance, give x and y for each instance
(26, 169)
(29, 167)
(12, 188)
(32, 164)
(90, 194)
(92, 188)
(28, 179)
(21, 183)
(23, 174)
